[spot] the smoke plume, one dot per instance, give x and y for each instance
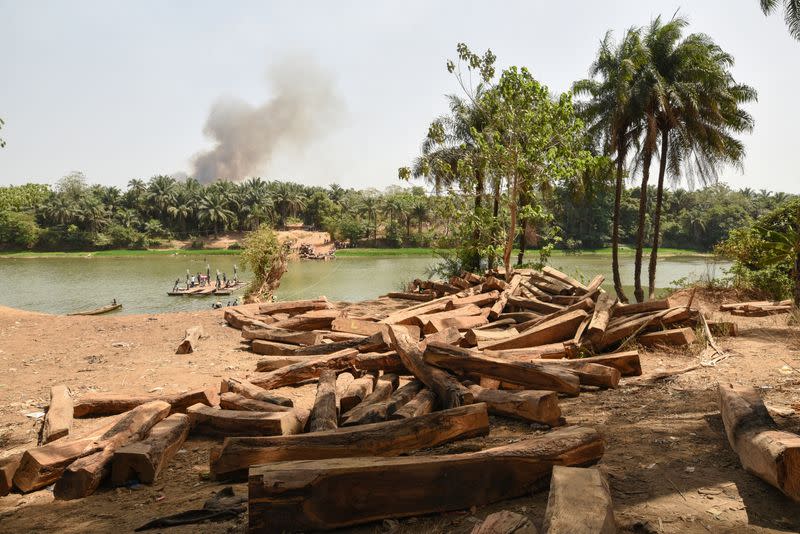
(303, 106)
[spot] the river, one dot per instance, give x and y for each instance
(68, 284)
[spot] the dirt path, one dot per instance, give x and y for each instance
(669, 465)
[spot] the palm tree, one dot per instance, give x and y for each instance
(420, 211)
(288, 199)
(612, 117)
(698, 112)
(791, 13)
(371, 205)
(214, 209)
(61, 210)
(161, 193)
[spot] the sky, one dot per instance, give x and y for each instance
(122, 90)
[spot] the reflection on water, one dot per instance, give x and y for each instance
(63, 285)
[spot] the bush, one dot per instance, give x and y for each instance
(196, 243)
(69, 238)
(235, 246)
(18, 230)
(266, 258)
(124, 237)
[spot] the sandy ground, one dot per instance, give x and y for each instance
(321, 241)
(669, 465)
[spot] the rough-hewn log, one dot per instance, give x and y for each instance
(735, 305)
(294, 306)
(237, 319)
(497, 307)
(591, 374)
(219, 422)
(326, 494)
(252, 391)
(764, 450)
(58, 421)
(586, 304)
(579, 501)
(515, 318)
(234, 401)
(530, 375)
(505, 522)
(422, 404)
(627, 363)
(534, 304)
(641, 307)
(480, 300)
(144, 460)
(273, 348)
(377, 361)
(407, 314)
(102, 404)
(459, 323)
(308, 322)
(190, 340)
(380, 411)
(463, 311)
(528, 405)
(423, 297)
(549, 351)
(676, 336)
(447, 335)
(299, 372)
(356, 392)
(266, 364)
(558, 329)
(283, 336)
(602, 314)
(336, 346)
(84, 475)
(450, 391)
(8, 466)
(627, 328)
(474, 335)
(379, 439)
(578, 287)
(324, 415)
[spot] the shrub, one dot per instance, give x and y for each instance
(18, 230)
(235, 246)
(266, 257)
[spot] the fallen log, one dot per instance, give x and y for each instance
(271, 363)
(642, 307)
(144, 460)
(579, 501)
(239, 320)
(480, 300)
(627, 363)
(528, 405)
(357, 391)
(294, 306)
(459, 323)
(677, 337)
(450, 391)
(603, 310)
(422, 404)
(505, 522)
(306, 495)
(497, 307)
(308, 322)
(252, 391)
(283, 336)
(324, 415)
(273, 348)
(220, 422)
(379, 411)
(8, 466)
(764, 450)
(190, 340)
(534, 304)
(391, 438)
(102, 404)
(299, 372)
(58, 421)
(423, 297)
(355, 326)
(577, 287)
(558, 329)
(82, 477)
(234, 401)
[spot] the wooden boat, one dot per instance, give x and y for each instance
(98, 311)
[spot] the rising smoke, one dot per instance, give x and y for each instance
(303, 106)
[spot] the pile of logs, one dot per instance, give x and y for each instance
(758, 308)
(307, 251)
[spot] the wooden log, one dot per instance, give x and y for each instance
(469, 309)
(459, 323)
(422, 404)
(82, 477)
(530, 375)
(356, 392)
(355, 326)
(8, 466)
(391, 438)
(219, 422)
(304, 322)
(602, 313)
(627, 363)
(103, 404)
(516, 317)
(423, 297)
(324, 415)
(578, 287)
(497, 307)
(271, 363)
(528, 405)
(505, 522)
(330, 348)
(626, 329)
(558, 329)
(459, 282)
(586, 304)
(595, 283)
(338, 336)
(379, 411)
(252, 391)
(579, 501)
(529, 354)
(447, 335)
(308, 495)
(592, 374)
(735, 305)
(190, 340)
(294, 306)
(494, 284)
(299, 372)
(144, 460)
(234, 401)
(377, 361)
(450, 391)
(239, 320)
(641, 307)
(534, 304)
(283, 336)
(764, 450)
(472, 278)
(58, 421)
(676, 337)
(480, 300)
(273, 348)
(406, 315)
(476, 336)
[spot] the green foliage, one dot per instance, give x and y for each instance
(266, 258)
(23, 197)
(18, 231)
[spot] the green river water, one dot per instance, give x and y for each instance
(67, 284)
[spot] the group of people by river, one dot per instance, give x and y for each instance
(204, 280)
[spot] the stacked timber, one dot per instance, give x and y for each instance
(758, 308)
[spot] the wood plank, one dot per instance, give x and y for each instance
(591, 374)
(480, 300)
(356, 392)
(144, 460)
(58, 421)
(324, 415)
(234, 401)
(336, 493)
(497, 307)
(422, 404)
(529, 405)
(299, 372)
(273, 348)
(423, 297)
(579, 501)
(103, 404)
(190, 340)
(301, 322)
(676, 337)
(565, 279)
(475, 336)
(558, 329)
(238, 319)
(219, 422)
(294, 306)
(459, 323)
(534, 304)
(407, 314)
(764, 450)
(548, 351)
(355, 326)
(627, 363)
(251, 391)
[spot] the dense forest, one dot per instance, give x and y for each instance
(74, 215)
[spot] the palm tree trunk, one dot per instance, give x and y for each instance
(615, 228)
(662, 169)
(638, 291)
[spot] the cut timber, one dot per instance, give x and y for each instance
(530, 375)
(534, 304)
(299, 372)
(330, 348)
(380, 411)
(459, 282)
(311, 322)
(459, 323)
(558, 329)
(641, 307)
(84, 475)
(476, 336)
(629, 327)
(565, 279)
(356, 391)
(190, 340)
(219, 422)
(379, 439)
(283, 336)
(505, 522)
(101, 404)
(497, 307)
(323, 415)
(355, 326)
(764, 449)
(480, 300)
(592, 374)
(271, 363)
(602, 314)
(294, 306)
(463, 311)
(273, 348)
(735, 305)
(334, 493)
(422, 404)
(579, 501)
(407, 314)
(423, 297)
(252, 391)
(448, 335)
(528, 405)
(389, 362)
(8, 466)
(58, 421)
(450, 391)
(144, 460)
(627, 363)
(528, 354)
(239, 320)
(676, 336)
(233, 401)
(495, 284)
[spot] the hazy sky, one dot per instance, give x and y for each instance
(122, 90)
